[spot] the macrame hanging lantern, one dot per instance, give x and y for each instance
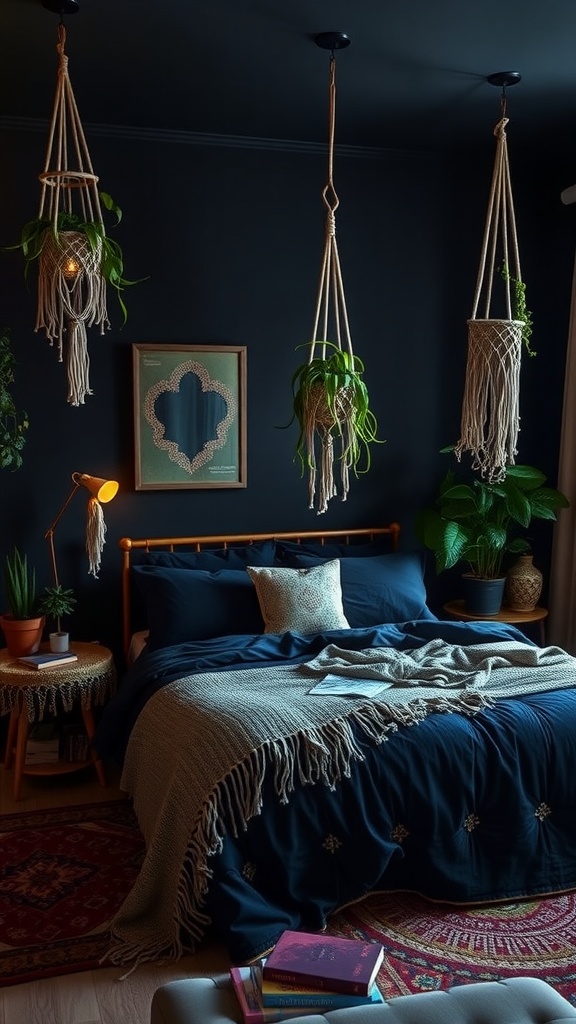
(335, 412)
(490, 419)
(71, 285)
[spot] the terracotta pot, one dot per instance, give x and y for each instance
(23, 636)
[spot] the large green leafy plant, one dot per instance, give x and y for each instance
(475, 523)
(13, 422)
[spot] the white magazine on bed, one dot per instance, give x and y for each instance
(342, 686)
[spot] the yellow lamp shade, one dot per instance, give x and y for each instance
(102, 490)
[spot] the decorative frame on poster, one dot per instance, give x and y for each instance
(189, 416)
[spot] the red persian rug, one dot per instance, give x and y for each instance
(433, 945)
(63, 874)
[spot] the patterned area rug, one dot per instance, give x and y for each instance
(63, 874)
(433, 946)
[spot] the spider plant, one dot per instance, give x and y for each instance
(329, 395)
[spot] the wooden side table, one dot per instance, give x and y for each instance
(456, 610)
(28, 694)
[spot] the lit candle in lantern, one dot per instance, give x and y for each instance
(71, 268)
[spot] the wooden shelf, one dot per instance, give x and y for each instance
(56, 767)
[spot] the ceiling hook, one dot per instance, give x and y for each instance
(504, 79)
(61, 7)
(332, 41)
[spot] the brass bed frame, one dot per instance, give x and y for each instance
(128, 545)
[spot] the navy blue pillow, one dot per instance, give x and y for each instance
(286, 549)
(385, 588)
(182, 606)
(212, 559)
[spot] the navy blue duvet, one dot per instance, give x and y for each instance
(457, 808)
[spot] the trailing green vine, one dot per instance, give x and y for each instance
(520, 310)
(13, 422)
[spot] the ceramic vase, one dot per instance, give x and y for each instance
(59, 642)
(523, 585)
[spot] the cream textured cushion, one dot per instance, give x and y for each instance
(300, 600)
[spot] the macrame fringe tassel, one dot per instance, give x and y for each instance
(71, 300)
(95, 536)
(490, 420)
(321, 426)
(78, 364)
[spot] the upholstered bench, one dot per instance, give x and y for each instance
(516, 1001)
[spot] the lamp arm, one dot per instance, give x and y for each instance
(49, 535)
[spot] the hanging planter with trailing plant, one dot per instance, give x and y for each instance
(490, 419)
(329, 396)
(75, 256)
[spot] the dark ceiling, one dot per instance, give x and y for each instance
(414, 75)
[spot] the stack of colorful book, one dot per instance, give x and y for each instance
(308, 973)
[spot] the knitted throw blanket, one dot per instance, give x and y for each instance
(202, 746)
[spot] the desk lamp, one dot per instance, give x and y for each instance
(100, 491)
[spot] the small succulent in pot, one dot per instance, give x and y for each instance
(56, 602)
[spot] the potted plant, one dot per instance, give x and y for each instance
(330, 401)
(22, 625)
(474, 524)
(55, 603)
(13, 422)
(40, 238)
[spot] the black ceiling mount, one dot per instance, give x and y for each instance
(504, 78)
(61, 6)
(332, 40)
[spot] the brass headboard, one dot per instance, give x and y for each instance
(130, 544)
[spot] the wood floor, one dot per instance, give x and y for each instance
(92, 997)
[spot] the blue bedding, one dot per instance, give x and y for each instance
(458, 808)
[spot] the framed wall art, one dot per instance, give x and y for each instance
(189, 416)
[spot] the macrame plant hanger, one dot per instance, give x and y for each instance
(490, 419)
(321, 419)
(71, 286)
(330, 294)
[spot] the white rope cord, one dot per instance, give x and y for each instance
(95, 536)
(71, 288)
(490, 420)
(331, 296)
(320, 422)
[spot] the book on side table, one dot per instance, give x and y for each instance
(47, 660)
(327, 962)
(248, 985)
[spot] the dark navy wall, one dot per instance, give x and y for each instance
(231, 239)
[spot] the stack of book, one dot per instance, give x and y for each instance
(308, 973)
(43, 744)
(74, 745)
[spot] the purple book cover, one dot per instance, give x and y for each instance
(324, 961)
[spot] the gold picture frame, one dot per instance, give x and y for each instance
(189, 416)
